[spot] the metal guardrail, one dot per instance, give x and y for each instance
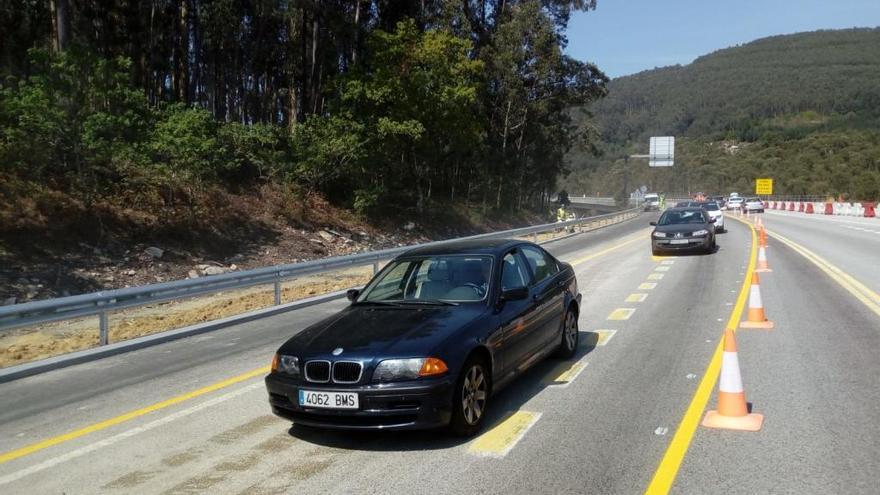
(104, 302)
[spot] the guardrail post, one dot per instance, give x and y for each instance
(535, 237)
(277, 290)
(104, 326)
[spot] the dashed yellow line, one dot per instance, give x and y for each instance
(621, 314)
(604, 336)
(647, 285)
(662, 268)
(499, 440)
(636, 297)
(655, 276)
(565, 373)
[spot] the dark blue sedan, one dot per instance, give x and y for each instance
(429, 339)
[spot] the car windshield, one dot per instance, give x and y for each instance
(449, 278)
(681, 217)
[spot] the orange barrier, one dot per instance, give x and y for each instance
(733, 411)
(790, 206)
(800, 206)
(829, 209)
(809, 208)
(869, 209)
(756, 317)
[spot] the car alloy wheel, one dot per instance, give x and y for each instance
(569, 343)
(473, 395)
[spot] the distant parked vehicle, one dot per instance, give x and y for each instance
(683, 229)
(754, 205)
(735, 203)
(714, 212)
(652, 202)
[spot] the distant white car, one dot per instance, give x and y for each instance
(714, 212)
(754, 205)
(652, 202)
(735, 203)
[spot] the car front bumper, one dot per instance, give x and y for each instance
(388, 406)
(665, 244)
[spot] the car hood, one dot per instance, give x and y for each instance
(683, 228)
(365, 331)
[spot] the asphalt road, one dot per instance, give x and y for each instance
(600, 423)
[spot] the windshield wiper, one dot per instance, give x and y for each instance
(428, 302)
(378, 303)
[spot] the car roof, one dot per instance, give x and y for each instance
(495, 247)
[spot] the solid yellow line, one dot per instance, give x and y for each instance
(503, 437)
(861, 292)
(30, 449)
(666, 472)
(640, 236)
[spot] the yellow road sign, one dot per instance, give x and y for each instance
(763, 186)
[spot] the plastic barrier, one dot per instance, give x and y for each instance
(790, 206)
(809, 209)
(829, 208)
(869, 209)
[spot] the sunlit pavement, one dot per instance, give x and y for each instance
(599, 423)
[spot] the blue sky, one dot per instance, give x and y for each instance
(627, 36)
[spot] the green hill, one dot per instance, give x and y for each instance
(804, 108)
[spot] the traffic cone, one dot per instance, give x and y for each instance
(733, 411)
(756, 318)
(762, 259)
(763, 237)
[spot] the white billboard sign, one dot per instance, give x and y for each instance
(662, 151)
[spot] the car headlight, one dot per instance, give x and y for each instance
(701, 232)
(408, 369)
(659, 234)
(288, 365)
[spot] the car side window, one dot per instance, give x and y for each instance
(513, 272)
(543, 266)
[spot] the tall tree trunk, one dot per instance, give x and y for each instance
(60, 24)
(183, 52)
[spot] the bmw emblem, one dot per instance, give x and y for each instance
(337, 351)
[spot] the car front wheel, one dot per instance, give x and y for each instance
(471, 398)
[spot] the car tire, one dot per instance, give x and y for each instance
(468, 411)
(569, 336)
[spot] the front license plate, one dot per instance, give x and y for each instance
(678, 241)
(328, 400)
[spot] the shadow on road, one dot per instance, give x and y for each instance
(503, 404)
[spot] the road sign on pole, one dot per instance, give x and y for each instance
(763, 187)
(661, 151)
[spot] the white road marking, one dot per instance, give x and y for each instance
(691, 376)
(661, 430)
(73, 454)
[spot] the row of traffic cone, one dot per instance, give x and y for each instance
(733, 411)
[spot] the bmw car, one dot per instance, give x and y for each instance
(429, 339)
(683, 229)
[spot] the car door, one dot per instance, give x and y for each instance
(548, 292)
(517, 318)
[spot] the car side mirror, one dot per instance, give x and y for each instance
(352, 294)
(711, 220)
(653, 223)
(515, 294)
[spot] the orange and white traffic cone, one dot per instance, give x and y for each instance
(763, 267)
(763, 237)
(756, 317)
(733, 411)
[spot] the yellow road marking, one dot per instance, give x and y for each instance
(647, 285)
(565, 373)
(604, 336)
(667, 262)
(498, 441)
(658, 258)
(621, 313)
(15, 454)
(639, 236)
(661, 269)
(636, 297)
(666, 472)
(655, 276)
(861, 292)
